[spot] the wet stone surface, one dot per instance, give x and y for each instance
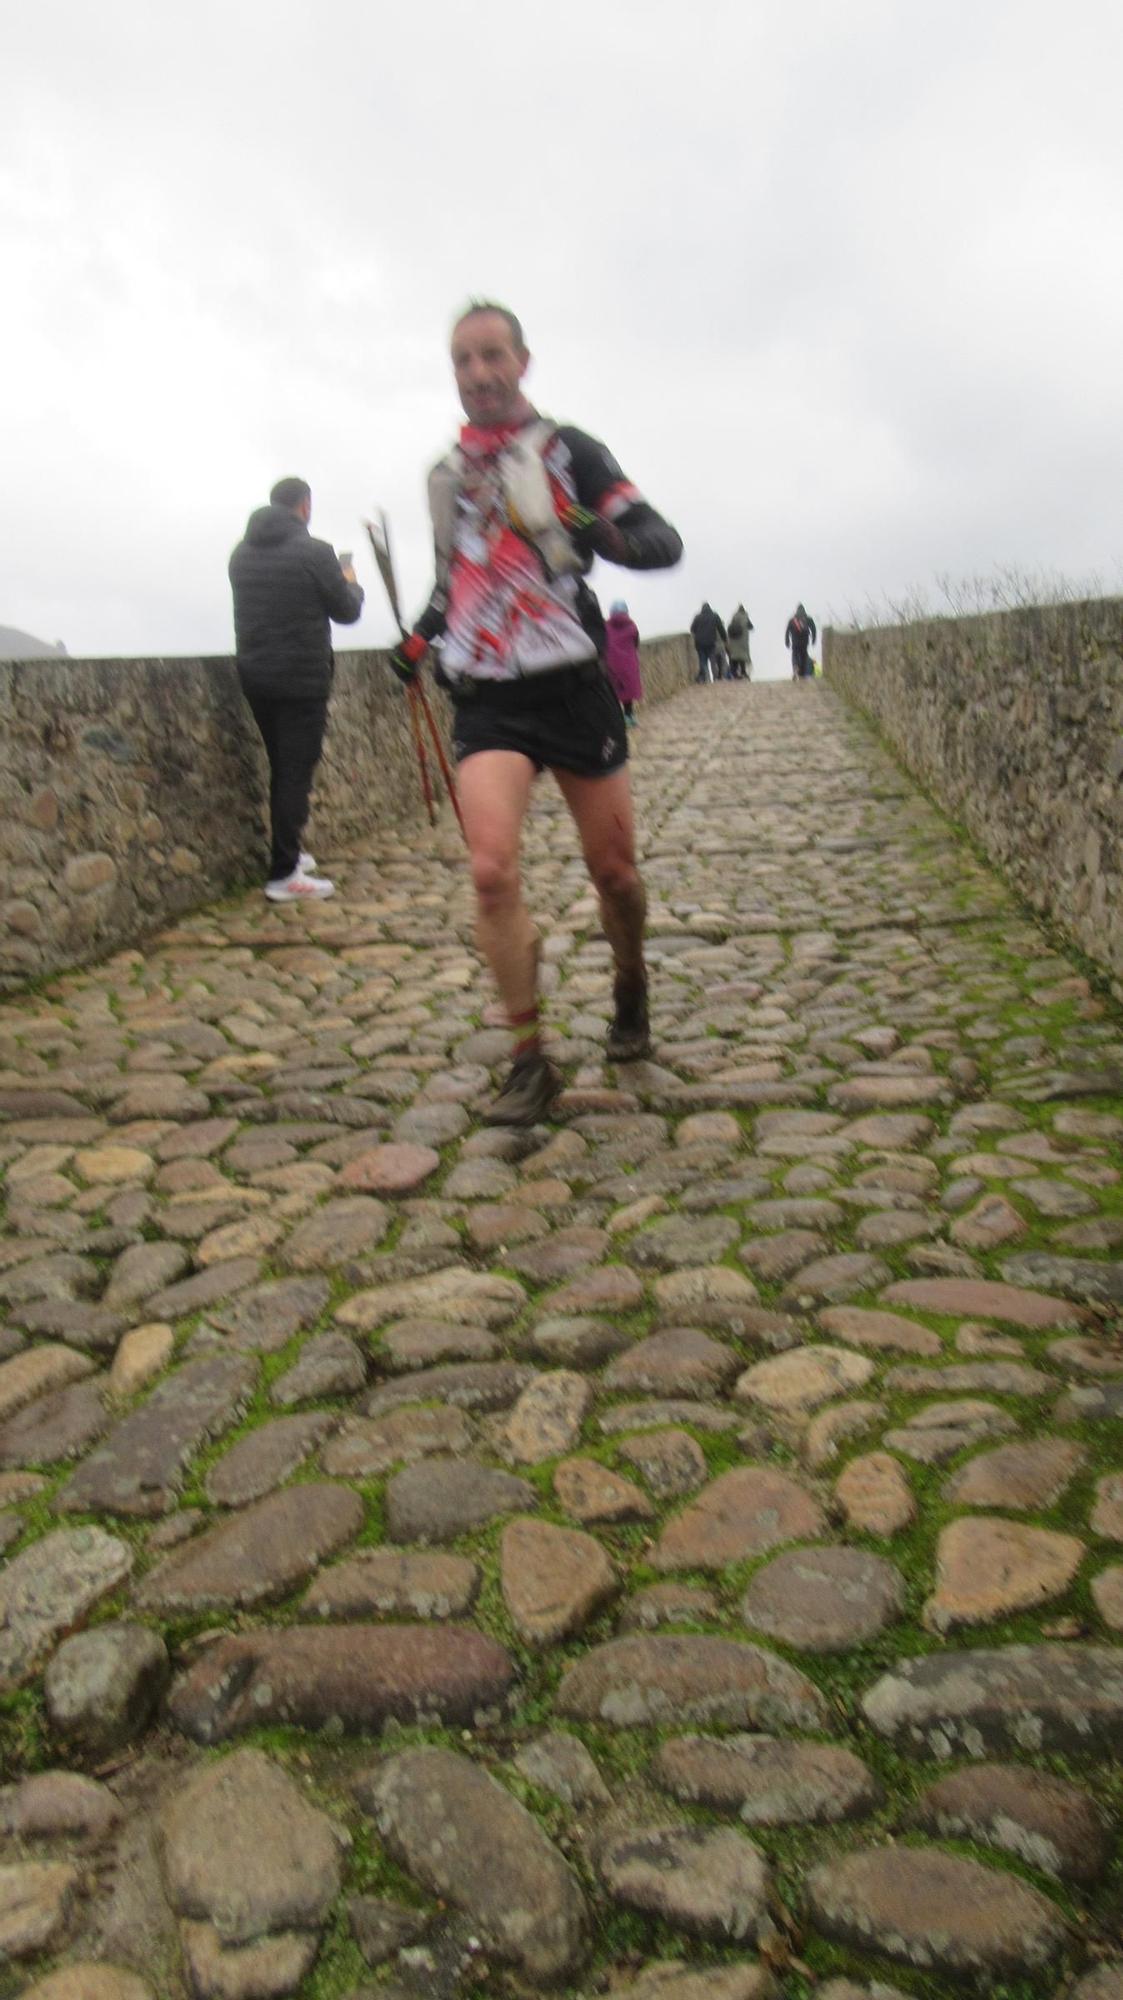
(713, 1884)
(244, 1852)
(365, 1447)
(352, 1677)
(678, 1475)
(140, 1467)
(465, 1838)
(936, 1911)
(765, 1781)
(1019, 1477)
(554, 1580)
(824, 1600)
(36, 1898)
(260, 1555)
(743, 1513)
(57, 1803)
(265, 1458)
(1047, 1822)
(629, 1682)
(394, 1583)
(1016, 1698)
(48, 1589)
(441, 1499)
(103, 1687)
(988, 1568)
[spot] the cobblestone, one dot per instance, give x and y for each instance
(814, 1316)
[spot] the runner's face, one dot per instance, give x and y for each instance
(489, 368)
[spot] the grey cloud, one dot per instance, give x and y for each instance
(838, 285)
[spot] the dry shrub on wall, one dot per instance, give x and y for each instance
(1006, 587)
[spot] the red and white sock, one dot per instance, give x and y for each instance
(527, 1031)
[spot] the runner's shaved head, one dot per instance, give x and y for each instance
(511, 320)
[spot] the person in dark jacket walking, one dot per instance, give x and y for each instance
(800, 636)
(287, 589)
(740, 663)
(705, 630)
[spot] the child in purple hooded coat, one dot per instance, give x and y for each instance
(622, 660)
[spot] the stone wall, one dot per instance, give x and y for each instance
(132, 791)
(1014, 723)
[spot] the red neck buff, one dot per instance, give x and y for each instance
(488, 440)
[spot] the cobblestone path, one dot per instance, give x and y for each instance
(677, 1552)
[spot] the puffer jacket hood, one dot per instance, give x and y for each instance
(269, 525)
(288, 587)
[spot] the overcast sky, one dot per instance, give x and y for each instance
(840, 282)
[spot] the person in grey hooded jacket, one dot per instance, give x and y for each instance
(738, 629)
(288, 587)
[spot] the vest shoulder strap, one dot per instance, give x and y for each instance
(446, 479)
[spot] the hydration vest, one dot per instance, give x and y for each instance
(529, 498)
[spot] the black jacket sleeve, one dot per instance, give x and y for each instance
(343, 601)
(647, 540)
(811, 624)
(434, 618)
(643, 539)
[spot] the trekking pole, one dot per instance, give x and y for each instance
(440, 750)
(380, 543)
(419, 746)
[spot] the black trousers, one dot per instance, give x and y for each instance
(292, 730)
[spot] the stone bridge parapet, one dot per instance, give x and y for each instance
(132, 791)
(1014, 723)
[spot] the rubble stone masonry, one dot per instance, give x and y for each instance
(1014, 724)
(132, 791)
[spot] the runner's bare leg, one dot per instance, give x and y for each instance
(602, 808)
(494, 788)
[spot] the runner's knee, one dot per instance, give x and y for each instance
(615, 875)
(495, 878)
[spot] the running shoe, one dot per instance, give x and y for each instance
(307, 863)
(629, 1037)
(528, 1093)
(300, 888)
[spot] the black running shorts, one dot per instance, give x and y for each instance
(569, 720)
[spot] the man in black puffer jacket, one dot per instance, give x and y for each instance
(706, 629)
(287, 588)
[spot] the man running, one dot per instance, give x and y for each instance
(520, 507)
(800, 636)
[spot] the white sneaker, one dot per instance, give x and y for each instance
(307, 863)
(300, 888)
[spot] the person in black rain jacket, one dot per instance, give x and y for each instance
(800, 636)
(705, 630)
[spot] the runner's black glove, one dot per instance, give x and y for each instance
(592, 535)
(406, 658)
